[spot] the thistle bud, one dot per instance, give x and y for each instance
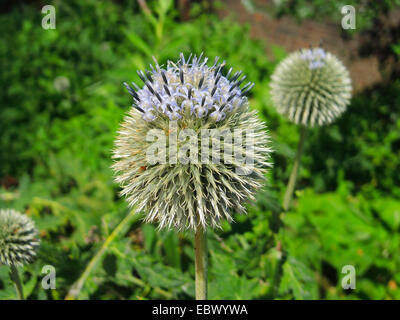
(311, 87)
(18, 238)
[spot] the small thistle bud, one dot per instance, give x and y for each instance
(195, 97)
(18, 238)
(311, 87)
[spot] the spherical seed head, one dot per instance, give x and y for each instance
(18, 238)
(311, 87)
(190, 97)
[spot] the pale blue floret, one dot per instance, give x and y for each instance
(315, 57)
(148, 115)
(316, 64)
(218, 115)
(199, 111)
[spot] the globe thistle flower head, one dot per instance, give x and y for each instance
(311, 87)
(190, 96)
(18, 238)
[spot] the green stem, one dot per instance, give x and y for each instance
(293, 176)
(17, 281)
(77, 286)
(200, 247)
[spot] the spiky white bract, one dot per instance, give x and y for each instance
(311, 87)
(18, 238)
(191, 95)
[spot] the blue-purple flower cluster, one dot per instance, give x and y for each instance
(315, 57)
(189, 87)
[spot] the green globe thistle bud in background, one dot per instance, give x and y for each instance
(18, 238)
(311, 87)
(190, 95)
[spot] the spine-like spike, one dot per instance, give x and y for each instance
(164, 77)
(241, 81)
(231, 97)
(138, 108)
(150, 87)
(246, 85)
(188, 60)
(233, 86)
(217, 79)
(215, 62)
(201, 82)
(141, 76)
(236, 75)
(167, 90)
(213, 91)
(229, 73)
(158, 96)
(182, 58)
(132, 91)
(136, 86)
(148, 75)
(248, 89)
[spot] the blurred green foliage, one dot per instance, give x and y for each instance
(62, 101)
(367, 12)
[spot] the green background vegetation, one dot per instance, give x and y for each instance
(56, 143)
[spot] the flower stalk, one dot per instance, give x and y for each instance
(14, 275)
(201, 262)
(293, 176)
